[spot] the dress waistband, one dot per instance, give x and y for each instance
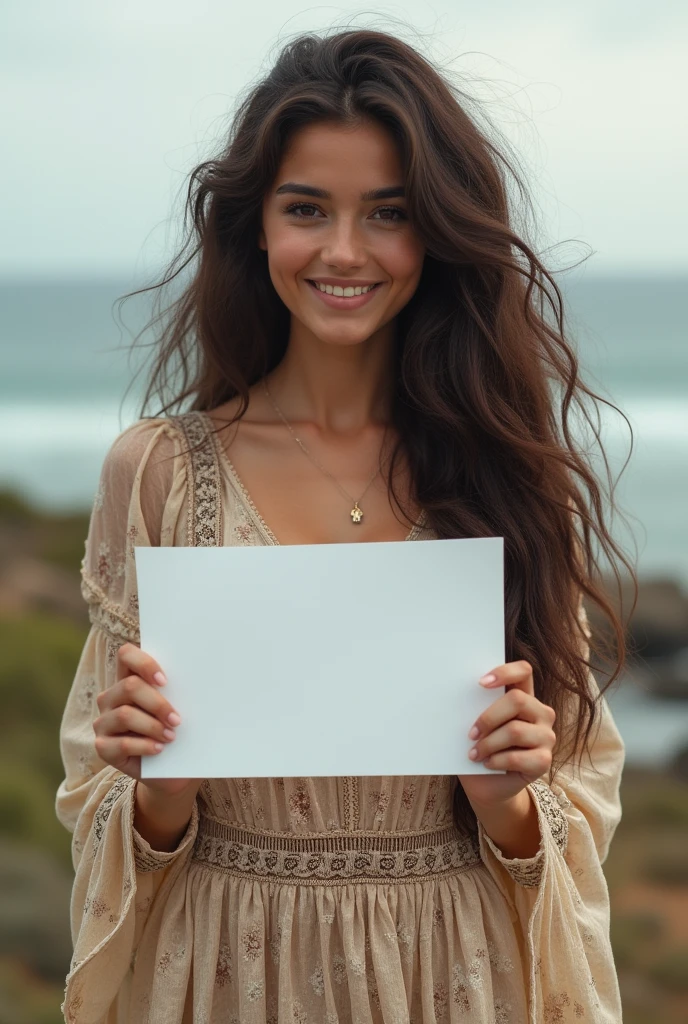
(334, 858)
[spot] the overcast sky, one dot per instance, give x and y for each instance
(107, 107)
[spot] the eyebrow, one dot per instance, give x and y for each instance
(391, 192)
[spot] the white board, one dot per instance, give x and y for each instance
(324, 659)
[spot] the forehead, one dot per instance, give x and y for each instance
(349, 159)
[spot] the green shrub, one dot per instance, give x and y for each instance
(632, 934)
(667, 868)
(671, 971)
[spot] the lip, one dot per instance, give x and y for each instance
(341, 301)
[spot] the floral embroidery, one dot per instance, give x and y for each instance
(459, 989)
(437, 917)
(502, 964)
(223, 969)
(554, 1007)
(244, 531)
(475, 969)
(408, 795)
(440, 998)
(300, 806)
(333, 859)
(246, 793)
(204, 522)
(254, 991)
(431, 798)
(299, 1015)
(166, 960)
(551, 806)
(578, 1010)
(132, 534)
(253, 944)
(111, 653)
(338, 969)
(103, 566)
(85, 694)
(75, 1003)
(120, 786)
(356, 966)
(95, 906)
(405, 940)
(502, 1011)
(371, 984)
(317, 980)
(379, 800)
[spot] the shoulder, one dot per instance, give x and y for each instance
(130, 446)
(142, 465)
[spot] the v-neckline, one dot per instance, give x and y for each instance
(415, 530)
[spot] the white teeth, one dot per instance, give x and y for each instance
(346, 292)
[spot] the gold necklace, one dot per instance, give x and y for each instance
(356, 511)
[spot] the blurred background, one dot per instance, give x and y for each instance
(105, 110)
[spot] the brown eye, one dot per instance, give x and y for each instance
(393, 209)
(293, 207)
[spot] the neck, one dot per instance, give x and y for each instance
(341, 389)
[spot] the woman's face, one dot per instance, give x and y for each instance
(329, 231)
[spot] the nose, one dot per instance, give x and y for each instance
(344, 246)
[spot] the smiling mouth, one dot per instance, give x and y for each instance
(335, 295)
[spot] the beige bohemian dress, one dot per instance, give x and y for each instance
(308, 900)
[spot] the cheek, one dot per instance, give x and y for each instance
(404, 260)
(289, 254)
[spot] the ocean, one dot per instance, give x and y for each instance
(65, 369)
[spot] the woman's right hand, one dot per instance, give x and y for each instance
(135, 719)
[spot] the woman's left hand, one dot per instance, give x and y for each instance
(515, 734)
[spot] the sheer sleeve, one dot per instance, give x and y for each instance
(560, 895)
(140, 499)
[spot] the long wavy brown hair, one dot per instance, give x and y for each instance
(485, 383)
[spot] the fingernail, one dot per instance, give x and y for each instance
(489, 678)
(473, 753)
(173, 718)
(158, 747)
(169, 734)
(159, 678)
(474, 733)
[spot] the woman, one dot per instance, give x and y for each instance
(422, 406)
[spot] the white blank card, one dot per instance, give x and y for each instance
(323, 659)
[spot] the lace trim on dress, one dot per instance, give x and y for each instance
(333, 859)
(148, 859)
(527, 871)
(551, 801)
(107, 614)
(119, 787)
(205, 505)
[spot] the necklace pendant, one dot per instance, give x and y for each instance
(356, 513)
